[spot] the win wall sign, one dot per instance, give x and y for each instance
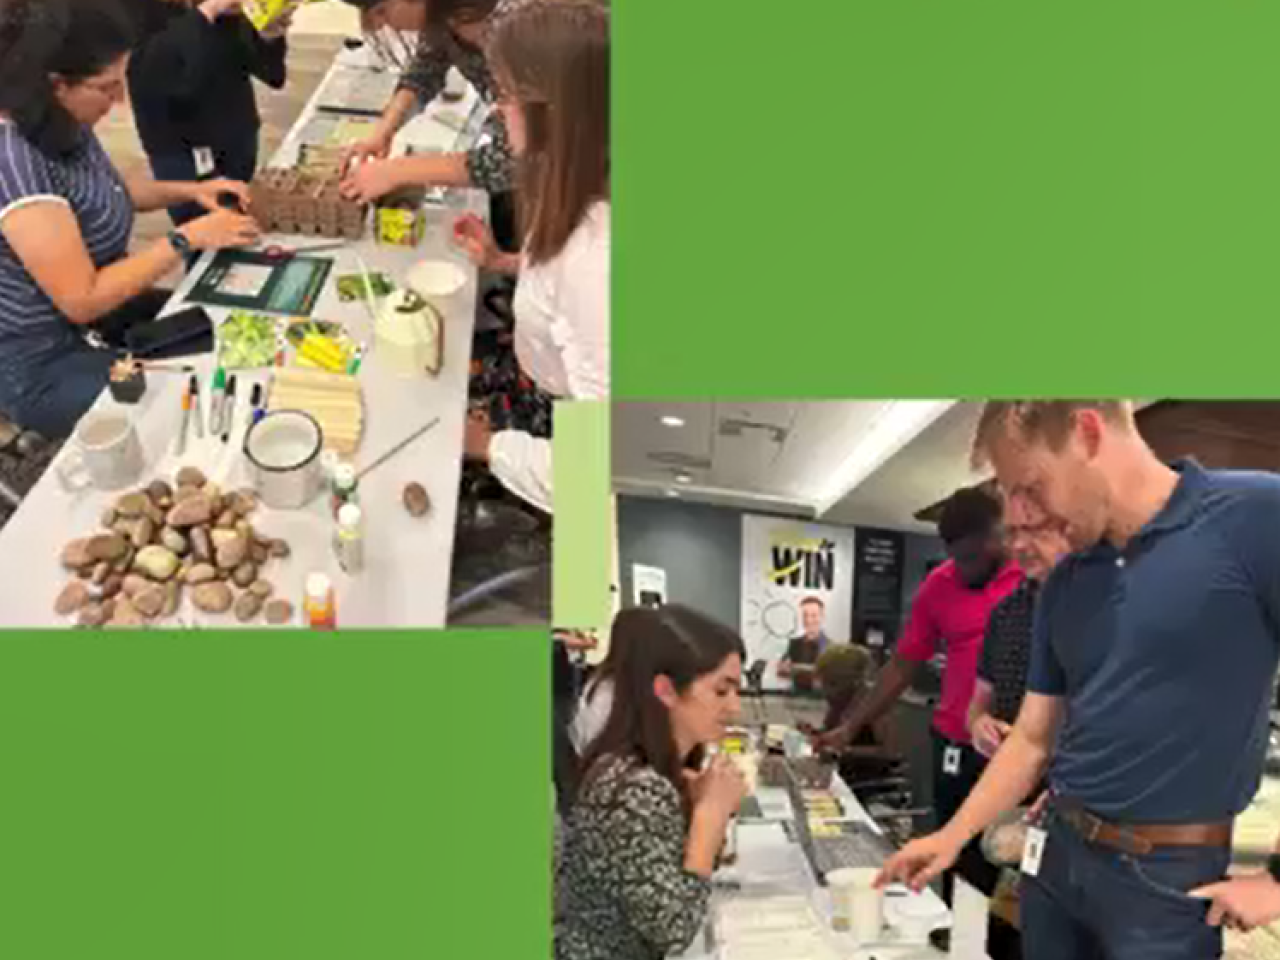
(805, 563)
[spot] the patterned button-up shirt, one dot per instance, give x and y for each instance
(490, 163)
(1006, 650)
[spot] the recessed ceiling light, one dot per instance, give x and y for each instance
(683, 478)
(673, 493)
(670, 421)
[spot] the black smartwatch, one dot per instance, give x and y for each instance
(1273, 866)
(181, 245)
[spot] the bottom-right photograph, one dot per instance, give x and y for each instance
(920, 678)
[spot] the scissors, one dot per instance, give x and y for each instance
(277, 253)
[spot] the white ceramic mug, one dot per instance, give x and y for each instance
(104, 452)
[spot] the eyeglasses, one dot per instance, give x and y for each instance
(1029, 531)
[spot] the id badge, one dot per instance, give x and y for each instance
(951, 761)
(1033, 851)
(205, 164)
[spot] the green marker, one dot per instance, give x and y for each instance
(358, 359)
(216, 397)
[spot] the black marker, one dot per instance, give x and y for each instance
(255, 404)
(194, 387)
(229, 409)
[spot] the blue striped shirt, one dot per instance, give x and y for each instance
(32, 329)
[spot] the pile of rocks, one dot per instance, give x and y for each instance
(162, 541)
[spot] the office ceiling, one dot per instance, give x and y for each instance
(785, 457)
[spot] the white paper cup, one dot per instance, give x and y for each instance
(856, 905)
(867, 906)
(840, 884)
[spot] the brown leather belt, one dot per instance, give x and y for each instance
(1142, 839)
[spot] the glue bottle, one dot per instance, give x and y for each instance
(319, 604)
(348, 540)
(343, 484)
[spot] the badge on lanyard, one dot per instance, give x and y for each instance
(951, 761)
(205, 164)
(1033, 851)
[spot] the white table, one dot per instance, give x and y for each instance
(769, 864)
(406, 579)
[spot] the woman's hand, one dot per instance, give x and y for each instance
(473, 236)
(213, 9)
(222, 228)
(988, 733)
(477, 436)
(209, 193)
(277, 29)
(576, 640)
(371, 180)
(377, 146)
(720, 789)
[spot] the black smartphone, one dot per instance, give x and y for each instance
(182, 334)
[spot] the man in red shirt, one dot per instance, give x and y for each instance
(950, 610)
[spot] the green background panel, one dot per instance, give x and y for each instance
(582, 559)
(274, 795)
(946, 199)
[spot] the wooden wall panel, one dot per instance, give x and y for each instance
(1222, 434)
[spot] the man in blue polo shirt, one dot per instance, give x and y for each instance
(1155, 647)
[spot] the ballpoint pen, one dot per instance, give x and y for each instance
(229, 409)
(193, 386)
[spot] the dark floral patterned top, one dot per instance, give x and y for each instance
(622, 892)
(490, 163)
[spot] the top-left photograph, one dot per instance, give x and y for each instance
(289, 293)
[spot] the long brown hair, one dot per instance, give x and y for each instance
(673, 641)
(553, 57)
(608, 668)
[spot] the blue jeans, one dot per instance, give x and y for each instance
(1089, 901)
(235, 161)
(57, 391)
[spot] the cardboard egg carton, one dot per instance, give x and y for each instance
(307, 202)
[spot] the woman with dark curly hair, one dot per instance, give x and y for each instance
(66, 213)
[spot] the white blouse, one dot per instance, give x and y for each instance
(562, 343)
(589, 721)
